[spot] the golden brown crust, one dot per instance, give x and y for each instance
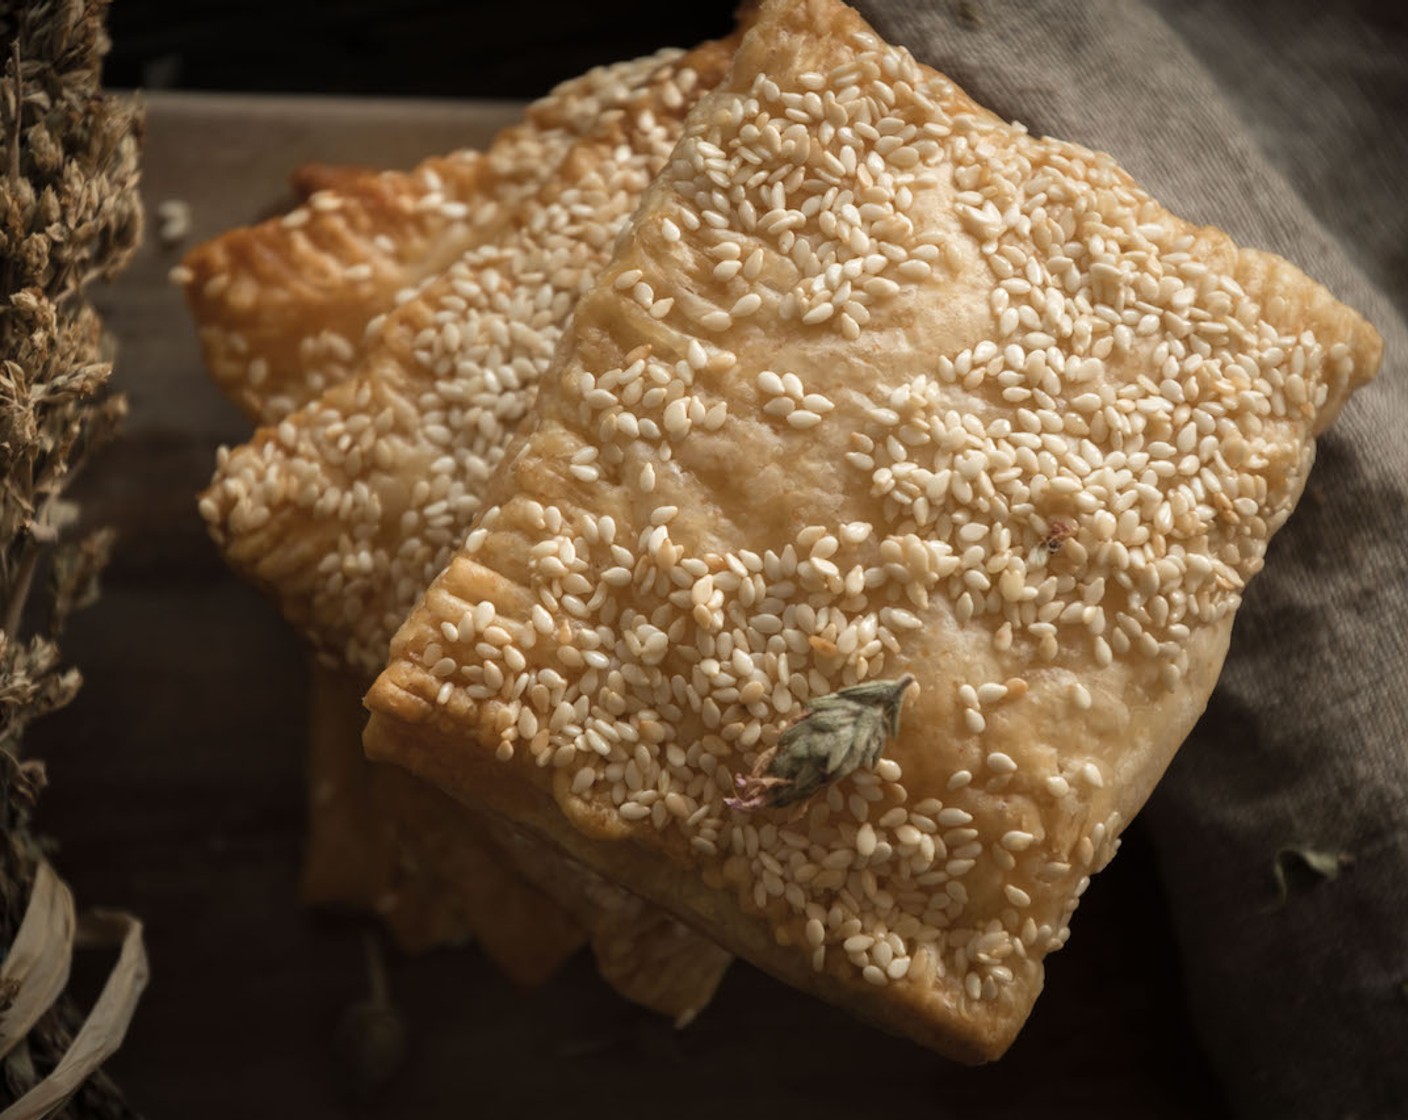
(310, 178)
(282, 308)
(929, 396)
(347, 509)
(644, 953)
(716, 914)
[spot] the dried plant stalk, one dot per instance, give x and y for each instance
(69, 214)
(50, 1053)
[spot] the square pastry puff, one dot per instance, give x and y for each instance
(876, 384)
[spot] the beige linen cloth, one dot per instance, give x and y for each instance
(1287, 125)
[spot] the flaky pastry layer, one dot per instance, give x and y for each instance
(382, 842)
(437, 874)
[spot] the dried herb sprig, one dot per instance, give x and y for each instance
(69, 214)
(837, 734)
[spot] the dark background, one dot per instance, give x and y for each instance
(476, 48)
(384, 47)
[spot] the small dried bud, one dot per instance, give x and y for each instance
(837, 734)
(49, 209)
(46, 152)
(34, 255)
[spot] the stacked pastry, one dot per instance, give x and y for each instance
(873, 390)
(392, 330)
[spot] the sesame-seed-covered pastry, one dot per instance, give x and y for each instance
(383, 842)
(348, 508)
(283, 307)
(927, 396)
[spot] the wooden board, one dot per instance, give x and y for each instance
(177, 792)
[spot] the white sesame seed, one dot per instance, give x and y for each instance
(770, 383)
(991, 693)
(1017, 840)
(874, 975)
(1001, 763)
(887, 769)
(1016, 896)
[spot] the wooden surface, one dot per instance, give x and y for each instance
(177, 792)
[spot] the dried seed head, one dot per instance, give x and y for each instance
(837, 734)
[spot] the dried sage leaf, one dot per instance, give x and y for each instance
(837, 734)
